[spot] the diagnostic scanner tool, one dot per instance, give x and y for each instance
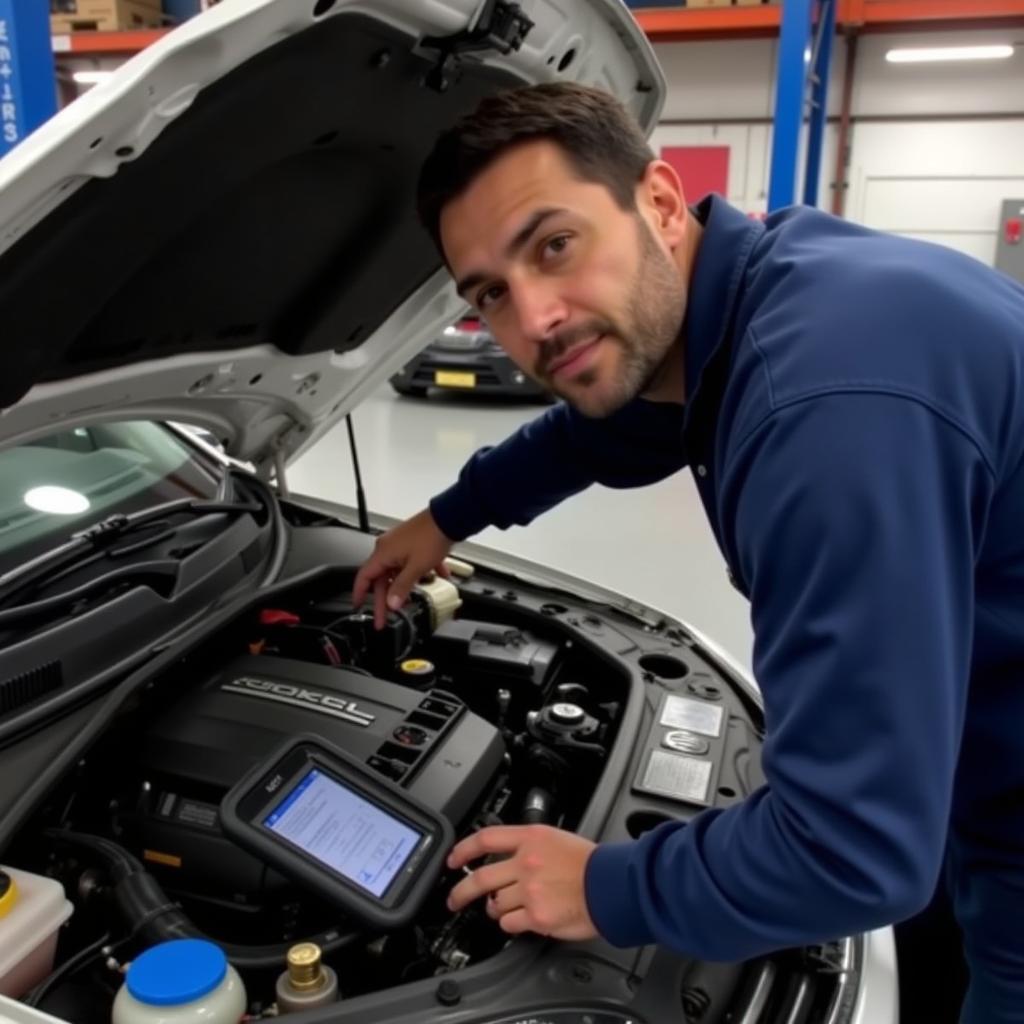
(334, 825)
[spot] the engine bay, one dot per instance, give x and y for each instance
(488, 702)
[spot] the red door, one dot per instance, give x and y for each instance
(702, 169)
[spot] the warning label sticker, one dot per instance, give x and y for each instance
(695, 715)
(682, 778)
(191, 812)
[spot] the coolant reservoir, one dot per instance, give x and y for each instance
(32, 909)
(181, 980)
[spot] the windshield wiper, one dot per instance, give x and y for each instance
(100, 539)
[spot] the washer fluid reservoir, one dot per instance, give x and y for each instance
(178, 981)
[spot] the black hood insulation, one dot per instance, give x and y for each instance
(279, 209)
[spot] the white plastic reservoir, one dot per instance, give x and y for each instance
(32, 909)
(183, 980)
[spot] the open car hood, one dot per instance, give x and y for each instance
(224, 232)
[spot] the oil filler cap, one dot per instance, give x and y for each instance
(8, 893)
(565, 713)
(176, 972)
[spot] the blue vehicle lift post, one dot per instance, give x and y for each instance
(28, 80)
(799, 38)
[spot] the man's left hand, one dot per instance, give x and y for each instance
(537, 887)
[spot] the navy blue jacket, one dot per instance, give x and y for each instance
(854, 419)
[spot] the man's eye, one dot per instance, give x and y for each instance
(488, 296)
(557, 245)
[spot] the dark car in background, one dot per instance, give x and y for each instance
(465, 357)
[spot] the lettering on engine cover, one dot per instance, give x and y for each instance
(300, 697)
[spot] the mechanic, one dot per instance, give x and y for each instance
(852, 407)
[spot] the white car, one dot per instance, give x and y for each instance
(223, 235)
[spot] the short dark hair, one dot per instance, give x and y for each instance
(601, 139)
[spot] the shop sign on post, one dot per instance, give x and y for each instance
(28, 90)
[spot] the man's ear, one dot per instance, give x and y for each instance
(661, 200)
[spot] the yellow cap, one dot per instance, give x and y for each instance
(304, 971)
(417, 666)
(8, 894)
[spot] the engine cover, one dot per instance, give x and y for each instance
(429, 743)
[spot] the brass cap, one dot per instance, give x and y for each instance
(304, 971)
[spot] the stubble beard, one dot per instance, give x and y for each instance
(652, 323)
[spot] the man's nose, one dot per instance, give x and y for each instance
(539, 310)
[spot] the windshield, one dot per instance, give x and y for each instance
(55, 486)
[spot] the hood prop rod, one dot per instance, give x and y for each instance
(364, 516)
(280, 476)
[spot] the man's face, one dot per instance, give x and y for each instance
(581, 294)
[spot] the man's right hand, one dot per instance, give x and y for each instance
(403, 556)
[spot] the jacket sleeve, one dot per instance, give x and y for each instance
(555, 456)
(857, 521)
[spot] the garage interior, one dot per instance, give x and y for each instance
(921, 135)
(931, 150)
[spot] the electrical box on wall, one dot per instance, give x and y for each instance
(1010, 246)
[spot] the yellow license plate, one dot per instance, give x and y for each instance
(451, 379)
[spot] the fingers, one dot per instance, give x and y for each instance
(363, 579)
(538, 887)
(377, 567)
(496, 839)
(400, 558)
(410, 575)
(480, 882)
(516, 922)
(505, 900)
(389, 592)
(510, 906)
(380, 594)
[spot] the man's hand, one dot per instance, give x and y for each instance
(403, 555)
(538, 887)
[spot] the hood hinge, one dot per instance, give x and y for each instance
(501, 26)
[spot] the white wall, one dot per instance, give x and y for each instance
(964, 88)
(942, 180)
(711, 80)
(749, 158)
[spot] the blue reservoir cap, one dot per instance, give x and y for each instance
(176, 972)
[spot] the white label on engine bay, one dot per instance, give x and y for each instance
(695, 715)
(683, 778)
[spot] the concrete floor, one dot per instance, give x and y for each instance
(652, 543)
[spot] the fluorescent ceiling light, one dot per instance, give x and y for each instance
(91, 77)
(58, 501)
(927, 54)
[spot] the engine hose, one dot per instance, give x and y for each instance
(118, 861)
(538, 807)
(153, 917)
